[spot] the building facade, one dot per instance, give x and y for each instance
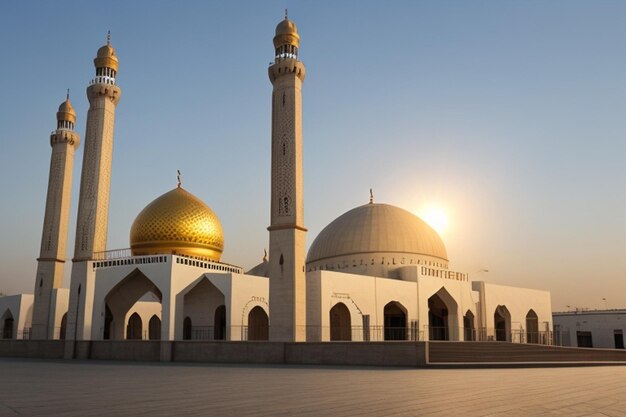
(375, 273)
(591, 328)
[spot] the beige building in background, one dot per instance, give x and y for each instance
(376, 273)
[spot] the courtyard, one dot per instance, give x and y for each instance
(31, 387)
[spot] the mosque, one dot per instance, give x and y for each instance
(375, 273)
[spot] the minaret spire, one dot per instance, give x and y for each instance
(50, 264)
(92, 220)
(287, 231)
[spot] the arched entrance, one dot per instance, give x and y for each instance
(201, 303)
(154, 328)
(395, 321)
(442, 315)
(187, 328)
(258, 324)
(134, 328)
(340, 323)
(532, 327)
(7, 325)
(468, 326)
(121, 299)
(63, 328)
(502, 324)
(219, 326)
(108, 322)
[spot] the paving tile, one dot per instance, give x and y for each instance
(92, 388)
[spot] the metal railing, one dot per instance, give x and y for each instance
(122, 257)
(108, 255)
(102, 79)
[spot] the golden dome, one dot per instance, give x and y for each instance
(377, 231)
(106, 56)
(66, 112)
(178, 223)
(286, 33)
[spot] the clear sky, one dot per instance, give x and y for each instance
(509, 116)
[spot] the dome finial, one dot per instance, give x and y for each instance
(371, 197)
(179, 178)
(264, 255)
(286, 14)
(109, 37)
(67, 97)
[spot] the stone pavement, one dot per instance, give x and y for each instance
(91, 388)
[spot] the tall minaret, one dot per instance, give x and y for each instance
(95, 179)
(287, 231)
(64, 141)
(93, 202)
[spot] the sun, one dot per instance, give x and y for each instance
(436, 217)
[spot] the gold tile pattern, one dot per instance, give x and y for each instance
(179, 223)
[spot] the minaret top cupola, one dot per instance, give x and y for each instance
(66, 116)
(106, 64)
(287, 40)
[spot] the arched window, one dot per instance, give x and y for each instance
(395, 321)
(258, 324)
(532, 327)
(220, 323)
(340, 323)
(154, 328)
(134, 328)
(187, 328)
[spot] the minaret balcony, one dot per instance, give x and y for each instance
(102, 79)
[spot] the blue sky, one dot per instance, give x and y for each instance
(510, 116)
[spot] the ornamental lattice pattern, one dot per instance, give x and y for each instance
(283, 149)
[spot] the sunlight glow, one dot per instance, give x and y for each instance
(436, 217)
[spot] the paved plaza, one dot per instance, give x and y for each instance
(93, 388)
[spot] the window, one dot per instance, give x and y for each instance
(584, 339)
(618, 336)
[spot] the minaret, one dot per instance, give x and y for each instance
(95, 179)
(287, 231)
(93, 201)
(64, 141)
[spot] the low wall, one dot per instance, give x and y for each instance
(47, 349)
(356, 353)
(411, 354)
(335, 353)
(124, 350)
(481, 352)
(228, 352)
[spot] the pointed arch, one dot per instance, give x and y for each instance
(200, 302)
(532, 327)
(502, 324)
(154, 328)
(8, 325)
(219, 326)
(187, 328)
(63, 329)
(442, 316)
(469, 326)
(122, 297)
(134, 329)
(340, 323)
(395, 321)
(258, 324)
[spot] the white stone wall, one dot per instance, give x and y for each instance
(518, 302)
(19, 306)
(602, 324)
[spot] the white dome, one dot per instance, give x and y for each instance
(378, 236)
